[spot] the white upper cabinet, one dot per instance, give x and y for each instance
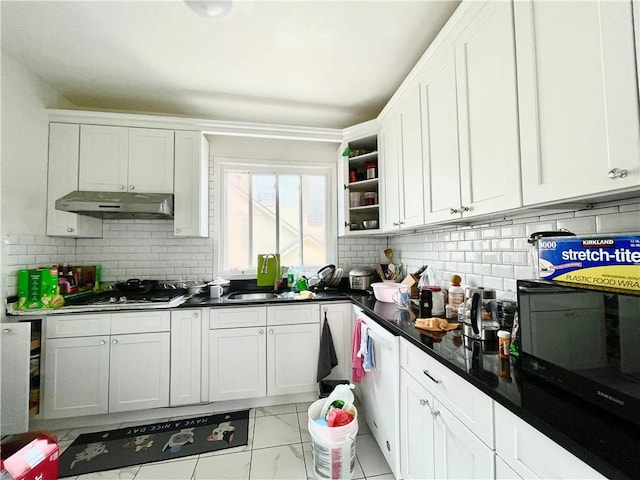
(402, 160)
(121, 159)
(191, 195)
(440, 137)
(578, 95)
(487, 112)
(64, 146)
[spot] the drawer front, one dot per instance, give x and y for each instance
(141, 322)
(237, 317)
(532, 454)
(291, 314)
(466, 402)
(61, 326)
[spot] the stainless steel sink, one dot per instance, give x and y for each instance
(252, 296)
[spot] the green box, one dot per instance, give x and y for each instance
(38, 288)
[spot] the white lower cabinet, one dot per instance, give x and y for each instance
(504, 471)
(237, 363)
(446, 424)
(88, 371)
(186, 358)
(14, 348)
(433, 442)
(531, 454)
(138, 371)
(267, 351)
(338, 316)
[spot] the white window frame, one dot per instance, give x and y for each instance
(221, 164)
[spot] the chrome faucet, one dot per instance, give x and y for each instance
(276, 273)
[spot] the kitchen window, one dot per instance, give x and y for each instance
(265, 208)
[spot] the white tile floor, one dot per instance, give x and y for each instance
(279, 447)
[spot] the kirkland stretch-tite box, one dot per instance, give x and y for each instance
(612, 261)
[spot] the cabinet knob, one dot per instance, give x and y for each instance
(114, 342)
(396, 224)
(401, 223)
(195, 315)
(271, 332)
(617, 173)
(453, 211)
(131, 187)
(6, 330)
(346, 187)
(435, 413)
(177, 230)
(261, 332)
(69, 229)
(464, 209)
(120, 187)
(101, 342)
(424, 402)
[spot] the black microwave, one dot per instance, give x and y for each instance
(583, 340)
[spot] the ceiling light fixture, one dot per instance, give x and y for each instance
(210, 8)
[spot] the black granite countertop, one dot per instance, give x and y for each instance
(199, 301)
(603, 441)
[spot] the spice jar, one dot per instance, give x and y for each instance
(504, 339)
(371, 170)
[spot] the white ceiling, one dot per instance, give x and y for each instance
(307, 63)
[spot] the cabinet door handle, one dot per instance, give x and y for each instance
(464, 209)
(6, 330)
(261, 332)
(424, 402)
(426, 372)
(132, 187)
(195, 315)
(346, 187)
(177, 230)
(114, 341)
(69, 229)
(435, 413)
(453, 211)
(121, 187)
(617, 173)
(401, 223)
(101, 342)
(396, 224)
(271, 332)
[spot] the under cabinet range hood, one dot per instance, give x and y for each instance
(118, 204)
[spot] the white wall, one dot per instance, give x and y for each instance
(23, 162)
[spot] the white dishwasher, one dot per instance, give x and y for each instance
(379, 391)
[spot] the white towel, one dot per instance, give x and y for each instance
(364, 335)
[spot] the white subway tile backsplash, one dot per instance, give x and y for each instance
(541, 227)
(618, 223)
(504, 271)
(475, 257)
(472, 234)
(515, 258)
(513, 231)
(481, 245)
(491, 233)
(502, 244)
(482, 269)
(579, 226)
(491, 257)
(493, 282)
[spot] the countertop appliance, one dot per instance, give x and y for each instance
(118, 204)
(361, 278)
(584, 341)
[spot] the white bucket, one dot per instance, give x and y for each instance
(333, 448)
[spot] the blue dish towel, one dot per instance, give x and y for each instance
(369, 362)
